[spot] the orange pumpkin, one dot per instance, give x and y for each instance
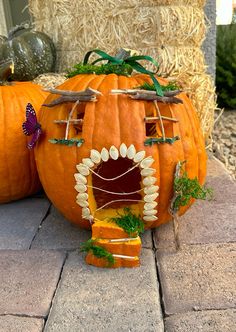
(114, 132)
(18, 173)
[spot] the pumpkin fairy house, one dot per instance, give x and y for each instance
(120, 152)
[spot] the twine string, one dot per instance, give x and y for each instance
(115, 178)
(119, 200)
(116, 193)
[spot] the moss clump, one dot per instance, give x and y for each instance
(172, 86)
(185, 189)
(80, 68)
(99, 252)
(130, 223)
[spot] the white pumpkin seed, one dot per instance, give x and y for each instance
(150, 198)
(87, 217)
(149, 212)
(95, 156)
(149, 180)
(114, 153)
(85, 212)
(123, 150)
(82, 197)
(80, 178)
(131, 151)
(83, 169)
(145, 163)
(88, 162)
(149, 206)
(148, 171)
(82, 203)
(151, 190)
(80, 187)
(139, 156)
(104, 154)
(150, 218)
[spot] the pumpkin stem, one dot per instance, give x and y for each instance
(6, 70)
(17, 30)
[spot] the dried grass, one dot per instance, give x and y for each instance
(50, 80)
(171, 31)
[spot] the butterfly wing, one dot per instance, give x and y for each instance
(35, 137)
(30, 124)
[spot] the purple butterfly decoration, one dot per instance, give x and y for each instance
(31, 126)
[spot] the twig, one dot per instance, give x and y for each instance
(173, 211)
(68, 96)
(156, 118)
(165, 100)
(72, 121)
(161, 122)
(69, 118)
(86, 92)
(141, 94)
(70, 99)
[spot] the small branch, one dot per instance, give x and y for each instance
(68, 96)
(69, 118)
(70, 99)
(161, 122)
(86, 92)
(72, 121)
(155, 119)
(165, 100)
(141, 94)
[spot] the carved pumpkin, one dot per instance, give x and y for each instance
(114, 132)
(32, 52)
(18, 173)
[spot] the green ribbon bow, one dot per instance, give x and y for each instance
(132, 61)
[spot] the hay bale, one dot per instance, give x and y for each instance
(171, 31)
(50, 80)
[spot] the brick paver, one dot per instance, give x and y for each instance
(202, 321)
(198, 277)
(28, 280)
(20, 324)
(90, 298)
(19, 222)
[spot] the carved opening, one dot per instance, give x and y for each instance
(128, 183)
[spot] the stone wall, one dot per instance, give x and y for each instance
(209, 45)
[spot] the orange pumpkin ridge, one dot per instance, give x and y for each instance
(18, 173)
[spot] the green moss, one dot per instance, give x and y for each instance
(130, 223)
(185, 189)
(97, 251)
(106, 69)
(172, 86)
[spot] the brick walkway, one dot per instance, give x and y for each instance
(46, 286)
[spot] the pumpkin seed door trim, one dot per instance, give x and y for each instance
(88, 166)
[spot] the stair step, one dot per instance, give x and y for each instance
(128, 248)
(119, 262)
(107, 230)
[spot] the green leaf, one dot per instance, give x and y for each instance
(160, 140)
(130, 223)
(97, 251)
(186, 189)
(69, 142)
